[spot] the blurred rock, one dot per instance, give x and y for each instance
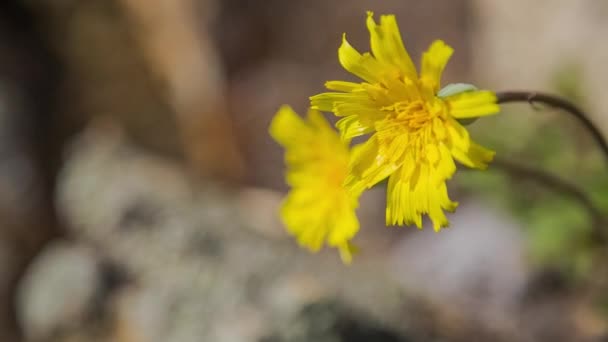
(141, 315)
(195, 265)
(114, 194)
(477, 265)
(58, 291)
(295, 291)
(260, 209)
(330, 321)
(200, 260)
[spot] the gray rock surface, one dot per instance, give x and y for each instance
(477, 265)
(192, 261)
(59, 290)
(198, 267)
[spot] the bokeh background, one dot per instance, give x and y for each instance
(139, 187)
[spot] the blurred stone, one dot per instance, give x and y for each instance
(243, 324)
(331, 321)
(295, 291)
(58, 290)
(199, 264)
(196, 265)
(477, 265)
(141, 315)
(103, 162)
(114, 194)
(259, 209)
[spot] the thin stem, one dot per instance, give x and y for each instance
(562, 186)
(557, 102)
(548, 179)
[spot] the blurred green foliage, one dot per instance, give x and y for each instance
(558, 227)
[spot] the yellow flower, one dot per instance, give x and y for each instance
(415, 130)
(318, 208)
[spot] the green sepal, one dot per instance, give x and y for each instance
(455, 88)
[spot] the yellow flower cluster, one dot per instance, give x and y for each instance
(414, 138)
(319, 207)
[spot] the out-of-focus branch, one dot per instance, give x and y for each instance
(559, 185)
(180, 52)
(534, 97)
(547, 179)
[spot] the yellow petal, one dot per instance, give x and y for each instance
(387, 45)
(446, 166)
(406, 203)
(434, 61)
(476, 156)
(343, 86)
(318, 122)
(370, 111)
(316, 215)
(398, 210)
(439, 129)
(364, 66)
(458, 136)
(439, 201)
(368, 165)
(327, 101)
(287, 128)
(472, 104)
(393, 149)
(351, 127)
(432, 153)
(318, 208)
(403, 206)
(380, 93)
(295, 215)
(345, 224)
(347, 250)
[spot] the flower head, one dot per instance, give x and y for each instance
(318, 208)
(414, 127)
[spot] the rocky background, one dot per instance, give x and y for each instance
(139, 187)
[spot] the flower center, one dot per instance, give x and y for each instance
(333, 164)
(335, 175)
(409, 126)
(413, 114)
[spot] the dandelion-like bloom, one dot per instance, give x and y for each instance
(318, 208)
(416, 135)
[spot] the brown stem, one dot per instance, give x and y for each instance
(557, 102)
(562, 186)
(547, 179)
